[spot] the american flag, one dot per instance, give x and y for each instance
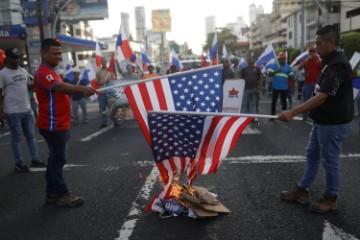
(179, 139)
(199, 90)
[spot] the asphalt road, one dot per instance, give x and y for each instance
(113, 170)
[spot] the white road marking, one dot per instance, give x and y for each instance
(95, 134)
(4, 134)
(66, 167)
(278, 158)
(251, 130)
(135, 211)
(331, 232)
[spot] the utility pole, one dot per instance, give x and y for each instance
(40, 19)
(302, 45)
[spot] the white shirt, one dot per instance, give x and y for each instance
(15, 89)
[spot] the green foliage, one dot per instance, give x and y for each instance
(292, 53)
(223, 37)
(350, 43)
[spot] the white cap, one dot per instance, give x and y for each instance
(76, 70)
(60, 71)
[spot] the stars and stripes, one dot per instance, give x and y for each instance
(195, 141)
(199, 90)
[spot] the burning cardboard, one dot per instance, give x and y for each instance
(192, 200)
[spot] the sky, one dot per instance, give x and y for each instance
(188, 17)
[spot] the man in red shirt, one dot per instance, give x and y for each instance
(313, 66)
(54, 121)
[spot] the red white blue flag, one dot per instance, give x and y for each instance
(123, 48)
(214, 51)
(174, 59)
(179, 140)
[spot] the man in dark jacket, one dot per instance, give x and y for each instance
(332, 109)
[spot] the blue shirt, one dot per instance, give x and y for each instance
(280, 80)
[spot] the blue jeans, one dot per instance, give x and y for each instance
(75, 108)
(57, 144)
(24, 121)
(325, 146)
(308, 90)
(102, 107)
(249, 100)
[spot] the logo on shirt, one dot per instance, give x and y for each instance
(49, 77)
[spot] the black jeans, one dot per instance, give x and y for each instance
(57, 144)
(275, 95)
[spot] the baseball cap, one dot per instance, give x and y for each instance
(12, 53)
(76, 70)
(282, 55)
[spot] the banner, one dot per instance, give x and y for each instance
(81, 10)
(161, 20)
(233, 91)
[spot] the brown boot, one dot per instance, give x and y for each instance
(69, 200)
(299, 194)
(325, 204)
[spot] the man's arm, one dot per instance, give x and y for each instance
(70, 89)
(312, 103)
(1, 104)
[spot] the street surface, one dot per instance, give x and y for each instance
(113, 170)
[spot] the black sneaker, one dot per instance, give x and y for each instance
(21, 167)
(104, 125)
(38, 164)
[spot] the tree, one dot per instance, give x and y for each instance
(350, 43)
(224, 37)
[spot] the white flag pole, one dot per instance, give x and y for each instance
(214, 114)
(218, 114)
(128, 83)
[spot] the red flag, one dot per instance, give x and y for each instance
(204, 62)
(112, 67)
(98, 55)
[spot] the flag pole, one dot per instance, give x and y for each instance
(128, 83)
(220, 114)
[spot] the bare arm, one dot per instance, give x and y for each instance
(1, 104)
(70, 89)
(312, 103)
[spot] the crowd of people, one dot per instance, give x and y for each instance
(323, 81)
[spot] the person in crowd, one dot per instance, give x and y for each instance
(299, 78)
(130, 73)
(2, 116)
(54, 121)
(79, 99)
(332, 109)
(356, 81)
(312, 65)
(17, 109)
(173, 69)
(103, 76)
(151, 73)
(227, 72)
(253, 83)
(281, 72)
(236, 68)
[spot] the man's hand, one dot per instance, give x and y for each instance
(286, 115)
(88, 91)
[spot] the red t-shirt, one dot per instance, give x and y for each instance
(54, 107)
(312, 70)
